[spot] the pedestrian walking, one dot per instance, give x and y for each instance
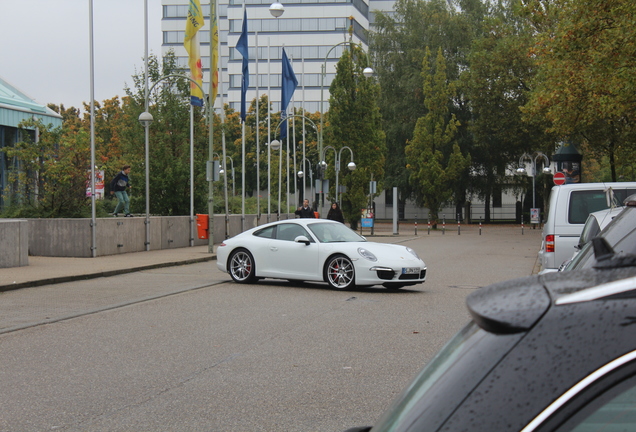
(118, 187)
(335, 213)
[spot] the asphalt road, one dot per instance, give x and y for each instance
(184, 349)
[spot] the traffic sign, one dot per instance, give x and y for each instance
(559, 178)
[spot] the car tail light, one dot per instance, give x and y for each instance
(549, 243)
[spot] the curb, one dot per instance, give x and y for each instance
(106, 273)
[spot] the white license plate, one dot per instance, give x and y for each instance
(410, 270)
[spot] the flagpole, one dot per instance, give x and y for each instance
(191, 175)
(269, 138)
(304, 136)
(214, 73)
(294, 151)
(258, 152)
(243, 47)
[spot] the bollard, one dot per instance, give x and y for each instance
(415, 224)
(479, 225)
(443, 224)
(522, 225)
(429, 224)
(459, 230)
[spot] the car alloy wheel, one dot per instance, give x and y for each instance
(242, 266)
(340, 273)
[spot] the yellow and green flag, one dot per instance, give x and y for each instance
(191, 44)
(214, 66)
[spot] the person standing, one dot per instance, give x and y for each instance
(335, 213)
(305, 211)
(118, 187)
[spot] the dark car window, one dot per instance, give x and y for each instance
(606, 404)
(590, 230)
(290, 231)
(582, 203)
(445, 382)
(266, 232)
(620, 234)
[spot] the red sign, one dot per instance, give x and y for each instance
(559, 178)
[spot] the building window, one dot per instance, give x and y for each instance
(388, 197)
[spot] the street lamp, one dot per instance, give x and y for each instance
(222, 171)
(276, 9)
(145, 118)
(367, 72)
(533, 169)
(338, 158)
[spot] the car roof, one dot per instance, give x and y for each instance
(605, 185)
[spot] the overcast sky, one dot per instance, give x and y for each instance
(45, 52)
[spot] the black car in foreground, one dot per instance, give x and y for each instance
(555, 352)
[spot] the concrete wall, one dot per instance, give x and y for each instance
(73, 237)
(14, 243)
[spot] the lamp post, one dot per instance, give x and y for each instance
(338, 157)
(223, 170)
(145, 118)
(533, 167)
(275, 145)
(367, 72)
(301, 174)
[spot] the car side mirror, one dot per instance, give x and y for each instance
(302, 239)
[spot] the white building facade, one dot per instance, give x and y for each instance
(310, 32)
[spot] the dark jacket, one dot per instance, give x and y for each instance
(335, 214)
(305, 212)
(119, 182)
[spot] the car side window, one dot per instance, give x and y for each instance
(266, 232)
(289, 232)
(608, 404)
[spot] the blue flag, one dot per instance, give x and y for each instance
(241, 47)
(288, 86)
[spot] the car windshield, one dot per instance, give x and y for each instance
(334, 232)
(427, 402)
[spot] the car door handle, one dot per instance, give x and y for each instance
(273, 249)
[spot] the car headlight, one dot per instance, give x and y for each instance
(367, 254)
(412, 252)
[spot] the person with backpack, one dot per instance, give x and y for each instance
(118, 187)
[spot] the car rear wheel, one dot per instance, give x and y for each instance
(340, 273)
(242, 267)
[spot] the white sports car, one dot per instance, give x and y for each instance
(318, 250)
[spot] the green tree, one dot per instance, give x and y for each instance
(433, 157)
(497, 86)
(49, 177)
(354, 121)
(398, 47)
(169, 149)
(585, 87)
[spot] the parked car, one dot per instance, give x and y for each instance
(318, 250)
(616, 243)
(593, 225)
(549, 353)
(569, 208)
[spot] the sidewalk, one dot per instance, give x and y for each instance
(51, 270)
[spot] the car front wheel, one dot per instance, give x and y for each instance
(339, 272)
(242, 268)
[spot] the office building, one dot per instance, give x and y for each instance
(310, 32)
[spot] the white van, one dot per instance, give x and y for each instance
(570, 205)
